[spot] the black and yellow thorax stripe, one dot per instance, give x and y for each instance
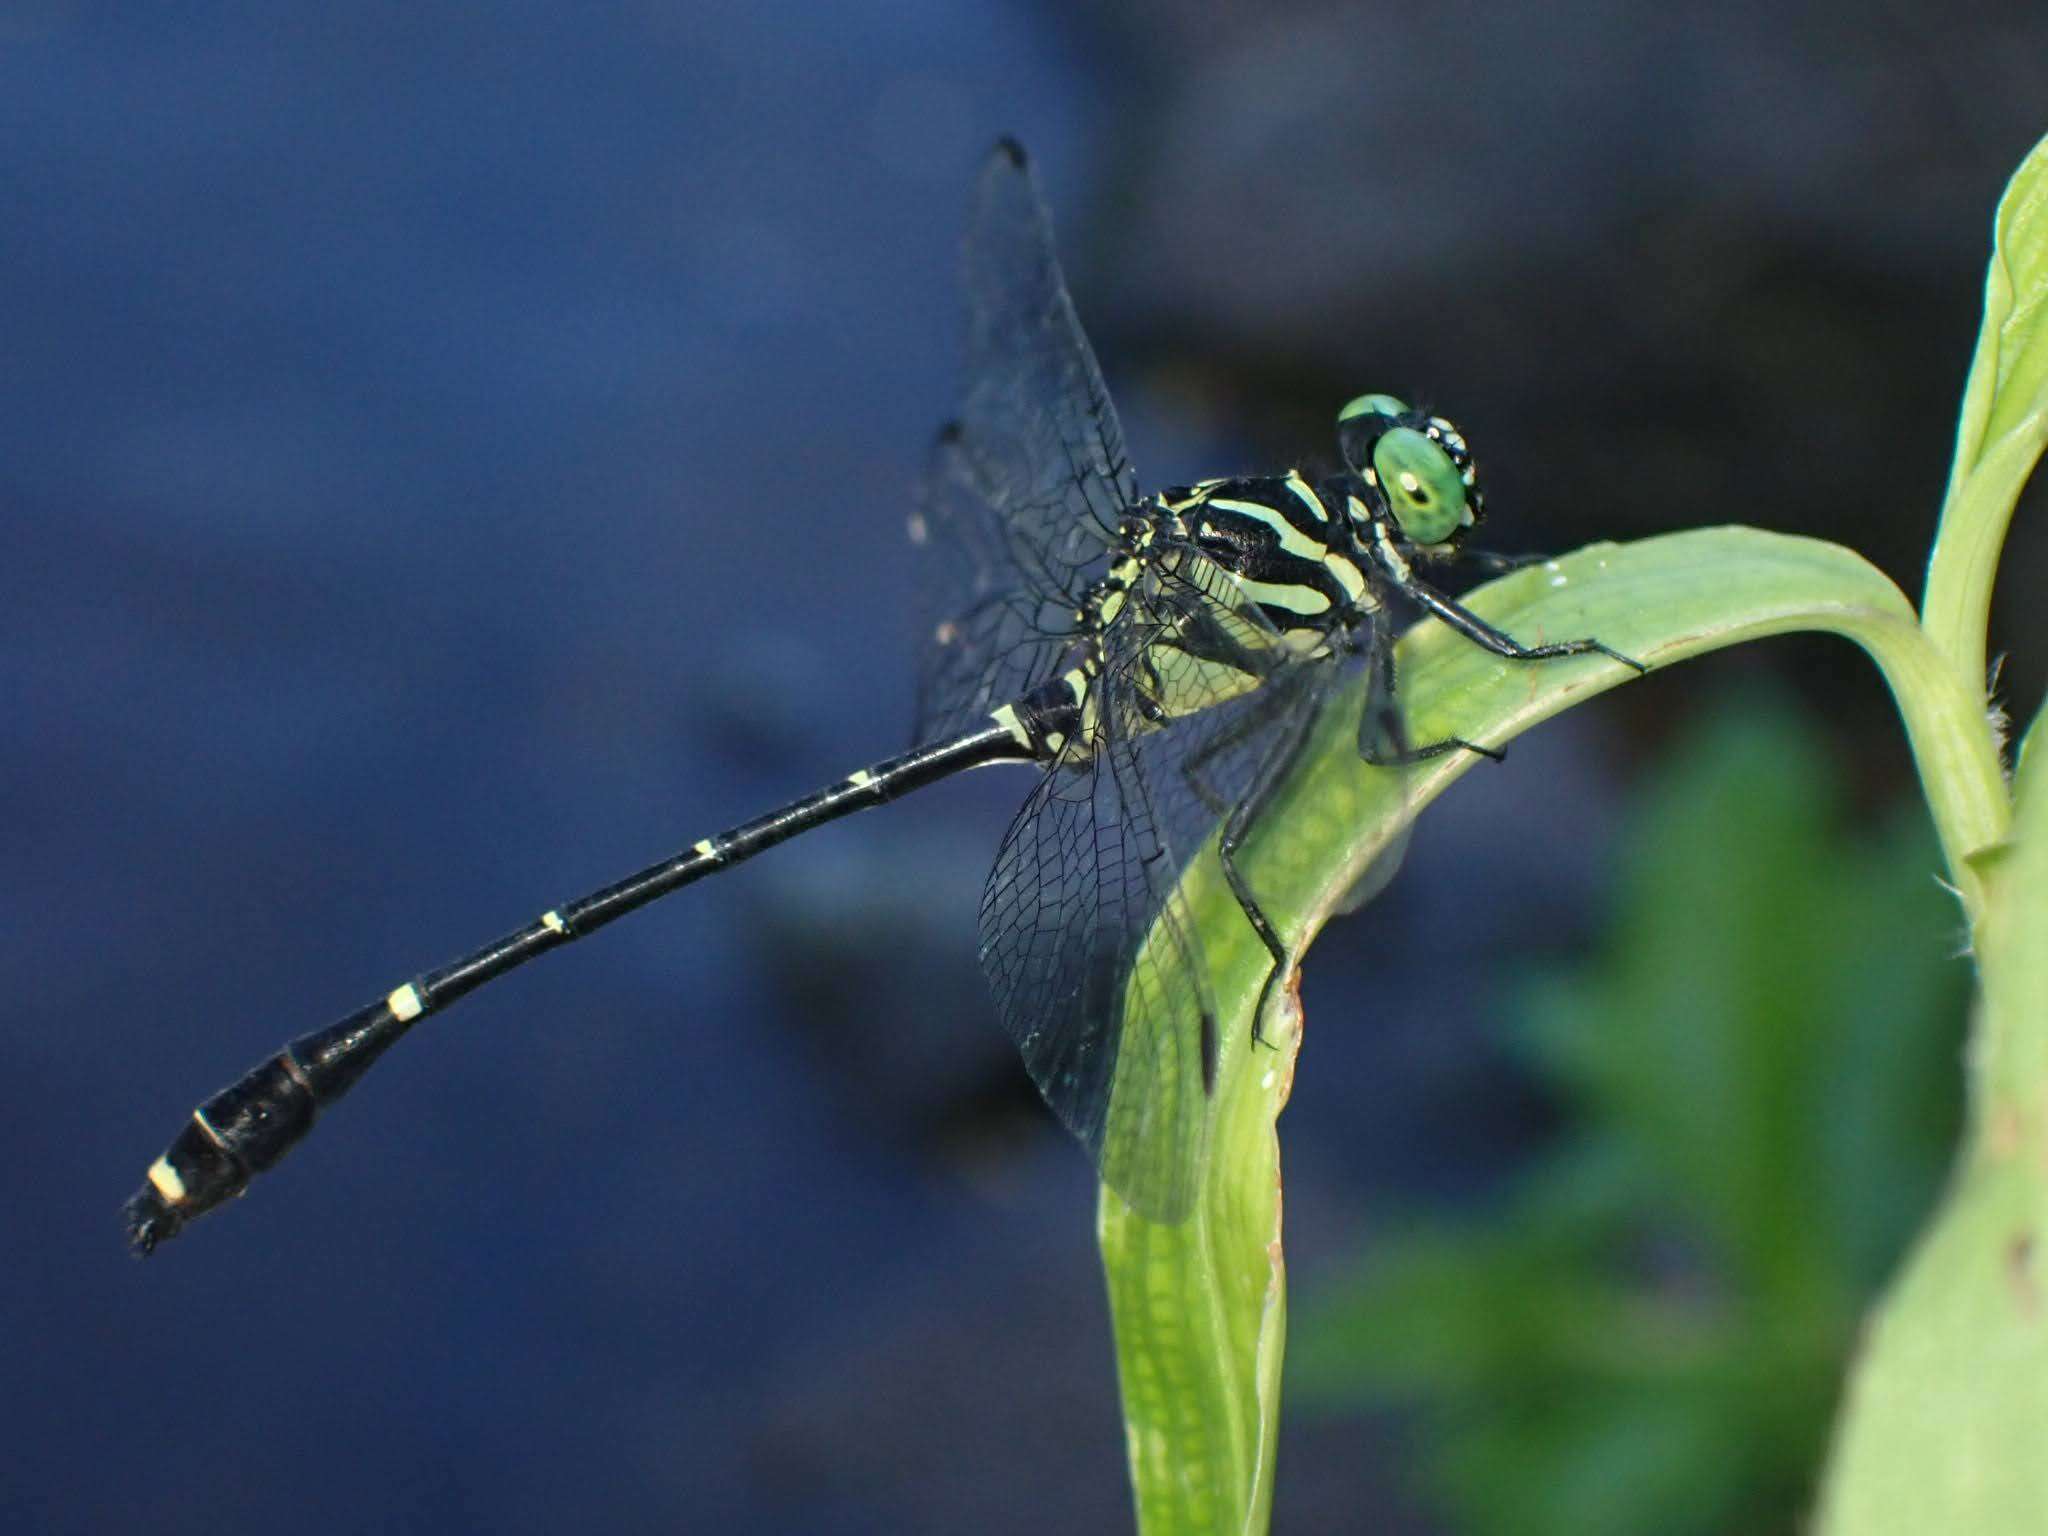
(1289, 551)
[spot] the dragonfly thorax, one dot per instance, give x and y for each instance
(1289, 549)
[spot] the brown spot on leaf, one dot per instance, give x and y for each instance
(2021, 1275)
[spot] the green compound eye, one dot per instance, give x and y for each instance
(1422, 485)
(1372, 405)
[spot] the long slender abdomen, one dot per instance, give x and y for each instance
(247, 1127)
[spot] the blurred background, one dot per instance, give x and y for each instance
(449, 457)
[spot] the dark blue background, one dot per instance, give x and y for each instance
(451, 457)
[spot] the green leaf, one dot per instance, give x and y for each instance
(2004, 422)
(1200, 1306)
(1947, 1421)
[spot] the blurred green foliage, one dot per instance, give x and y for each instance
(1761, 1083)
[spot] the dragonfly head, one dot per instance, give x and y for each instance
(1416, 465)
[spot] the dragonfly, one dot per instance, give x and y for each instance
(1161, 660)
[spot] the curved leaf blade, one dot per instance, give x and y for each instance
(2004, 421)
(1200, 1307)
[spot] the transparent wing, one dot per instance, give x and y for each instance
(1024, 491)
(1067, 910)
(1097, 968)
(994, 627)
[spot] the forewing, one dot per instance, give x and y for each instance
(1025, 490)
(993, 628)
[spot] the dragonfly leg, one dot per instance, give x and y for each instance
(1274, 765)
(1499, 642)
(1494, 561)
(1383, 740)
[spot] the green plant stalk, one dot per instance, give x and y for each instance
(1946, 1426)
(1200, 1307)
(1946, 1423)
